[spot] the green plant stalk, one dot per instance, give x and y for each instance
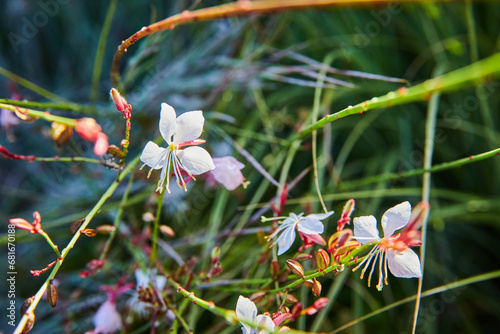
(430, 130)
(464, 77)
(154, 241)
(316, 106)
(233, 9)
(45, 115)
(72, 243)
(419, 171)
(51, 243)
(101, 48)
(33, 87)
(47, 105)
(439, 289)
(346, 261)
(118, 216)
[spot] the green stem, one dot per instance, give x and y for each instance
(45, 115)
(51, 243)
(72, 242)
(436, 168)
(466, 76)
(155, 227)
(48, 105)
(118, 217)
(35, 88)
(439, 289)
(101, 47)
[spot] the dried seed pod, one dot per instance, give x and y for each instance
(167, 231)
(61, 133)
(29, 323)
(290, 299)
(52, 295)
(316, 288)
(76, 225)
(89, 232)
(295, 267)
(284, 275)
(105, 229)
(309, 283)
(26, 305)
(257, 296)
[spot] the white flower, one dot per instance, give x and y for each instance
(143, 280)
(247, 311)
(227, 172)
(178, 132)
(402, 263)
(310, 224)
(107, 319)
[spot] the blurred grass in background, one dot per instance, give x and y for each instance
(230, 67)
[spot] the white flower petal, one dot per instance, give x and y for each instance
(246, 310)
(196, 160)
(227, 172)
(153, 155)
(286, 239)
(396, 218)
(365, 229)
(265, 322)
(188, 126)
(107, 319)
(310, 226)
(404, 264)
(320, 216)
(167, 122)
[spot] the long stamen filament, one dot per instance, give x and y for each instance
(367, 257)
(380, 284)
(373, 268)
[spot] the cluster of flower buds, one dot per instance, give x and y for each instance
(36, 227)
(121, 104)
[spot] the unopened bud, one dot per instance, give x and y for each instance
(167, 231)
(295, 268)
(322, 259)
(105, 229)
(88, 128)
(215, 254)
(52, 295)
(120, 103)
(89, 232)
(316, 288)
(101, 144)
(347, 247)
(338, 239)
(320, 303)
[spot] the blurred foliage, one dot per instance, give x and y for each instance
(223, 67)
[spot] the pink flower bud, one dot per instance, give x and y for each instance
(101, 144)
(87, 128)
